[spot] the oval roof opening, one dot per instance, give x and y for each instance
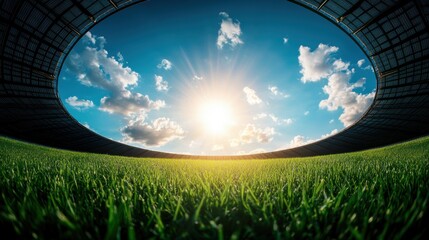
(225, 78)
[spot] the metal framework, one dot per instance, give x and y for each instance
(37, 35)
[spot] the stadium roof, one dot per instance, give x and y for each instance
(36, 37)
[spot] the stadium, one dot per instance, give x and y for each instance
(351, 195)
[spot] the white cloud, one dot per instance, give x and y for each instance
(120, 57)
(287, 121)
(251, 133)
(260, 116)
(89, 37)
(299, 140)
(229, 32)
(79, 104)
(307, 113)
(320, 64)
(331, 121)
(276, 92)
(317, 64)
(157, 133)
(251, 96)
(94, 67)
(95, 40)
(341, 95)
(274, 118)
(161, 84)
(339, 65)
(197, 78)
(360, 64)
(369, 67)
(285, 40)
(224, 14)
(131, 104)
(333, 132)
(85, 124)
(165, 64)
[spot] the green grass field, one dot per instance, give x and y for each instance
(48, 193)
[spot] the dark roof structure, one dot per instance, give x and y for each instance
(37, 35)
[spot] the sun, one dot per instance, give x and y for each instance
(216, 117)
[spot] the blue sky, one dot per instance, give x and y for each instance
(216, 77)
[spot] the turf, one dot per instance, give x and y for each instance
(49, 193)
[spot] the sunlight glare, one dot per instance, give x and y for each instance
(216, 117)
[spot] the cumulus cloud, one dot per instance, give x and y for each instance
(229, 32)
(360, 62)
(299, 140)
(333, 132)
(307, 113)
(79, 104)
(94, 67)
(161, 84)
(129, 104)
(251, 96)
(251, 133)
(316, 64)
(339, 65)
(276, 92)
(341, 95)
(165, 64)
(95, 40)
(156, 133)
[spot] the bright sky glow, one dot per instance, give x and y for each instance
(216, 77)
(216, 116)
